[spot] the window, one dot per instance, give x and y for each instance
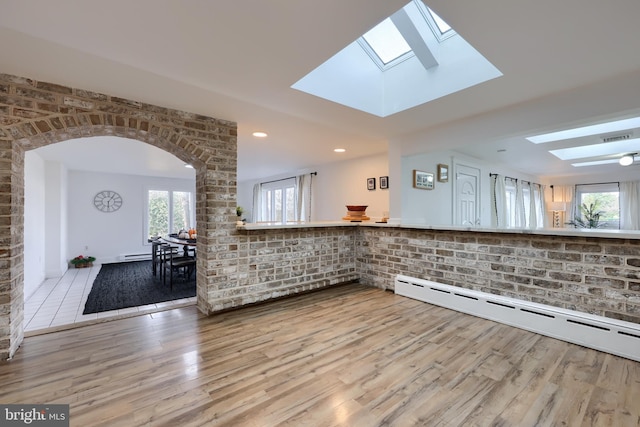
(283, 200)
(443, 27)
(386, 45)
(518, 204)
(169, 211)
(386, 41)
(278, 201)
(605, 198)
(510, 202)
(518, 209)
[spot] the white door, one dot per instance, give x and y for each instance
(467, 194)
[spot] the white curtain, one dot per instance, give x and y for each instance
(541, 212)
(498, 201)
(257, 203)
(519, 204)
(629, 205)
(535, 203)
(303, 197)
(520, 214)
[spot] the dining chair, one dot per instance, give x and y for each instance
(156, 256)
(175, 262)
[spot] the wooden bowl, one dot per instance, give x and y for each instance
(356, 208)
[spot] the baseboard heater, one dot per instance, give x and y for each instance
(601, 333)
(135, 257)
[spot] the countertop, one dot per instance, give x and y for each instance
(578, 232)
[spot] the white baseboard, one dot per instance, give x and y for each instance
(601, 333)
(135, 257)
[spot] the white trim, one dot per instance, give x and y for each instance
(135, 257)
(601, 333)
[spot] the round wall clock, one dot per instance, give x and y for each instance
(107, 201)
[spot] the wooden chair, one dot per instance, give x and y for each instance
(156, 256)
(173, 261)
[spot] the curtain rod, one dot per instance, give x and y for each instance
(599, 183)
(513, 179)
(284, 179)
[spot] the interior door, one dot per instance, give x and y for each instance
(467, 196)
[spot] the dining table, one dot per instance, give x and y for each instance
(188, 245)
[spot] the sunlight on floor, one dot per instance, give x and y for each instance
(59, 302)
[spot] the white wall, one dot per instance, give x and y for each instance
(419, 206)
(108, 235)
(336, 185)
(245, 197)
(55, 241)
(345, 183)
(435, 207)
(34, 222)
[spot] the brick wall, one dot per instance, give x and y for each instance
(34, 114)
(280, 262)
(591, 275)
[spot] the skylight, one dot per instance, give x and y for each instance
(386, 41)
(442, 26)
(595, 163)
(595, 150)
(618, 125)
(410, 58)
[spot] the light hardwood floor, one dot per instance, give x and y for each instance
(346, 356)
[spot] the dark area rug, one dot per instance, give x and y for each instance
(131, 284)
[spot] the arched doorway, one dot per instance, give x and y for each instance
(35, 114)
(61, 221)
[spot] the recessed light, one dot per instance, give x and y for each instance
(187, 165)
(339, 150)
(260, 134)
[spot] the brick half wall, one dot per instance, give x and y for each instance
(600, 276)
(267, 264)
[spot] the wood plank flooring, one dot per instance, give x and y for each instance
(346, 356)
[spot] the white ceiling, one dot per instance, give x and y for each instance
(110, 154)
(236, 60)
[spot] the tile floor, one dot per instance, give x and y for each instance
(58, 303)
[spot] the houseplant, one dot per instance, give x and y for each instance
(82, 261)
(590, 217)
(239, 211)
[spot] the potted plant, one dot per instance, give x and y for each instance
(239, 211)
(590, 217)
(82, 261)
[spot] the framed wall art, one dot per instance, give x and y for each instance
(443, 173)
(371, 183)
(423, 180)
(384, 182)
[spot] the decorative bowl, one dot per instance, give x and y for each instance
(356, 208)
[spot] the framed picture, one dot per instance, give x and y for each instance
(423, 180)
(384, 182)
(443, 173)
(371, 183)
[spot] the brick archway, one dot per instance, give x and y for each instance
(34, 114)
